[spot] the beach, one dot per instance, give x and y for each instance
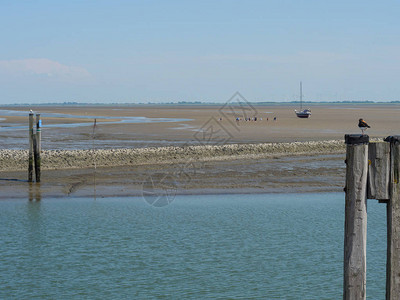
(186, 149)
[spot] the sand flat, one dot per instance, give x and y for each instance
(241, 169)
(326, 123)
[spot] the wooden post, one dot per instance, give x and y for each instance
(37, 147)
(36, 159)
(39, 132)
(30, 158)
(393, 223)
(378, 171)
(355, 236)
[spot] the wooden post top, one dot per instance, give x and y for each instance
(357, 139)
(395, 139)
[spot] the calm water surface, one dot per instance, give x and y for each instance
(199, 247)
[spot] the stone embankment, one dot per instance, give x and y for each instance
(14, 160)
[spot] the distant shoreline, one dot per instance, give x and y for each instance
(205, 104)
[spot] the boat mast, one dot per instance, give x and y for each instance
(301, 96)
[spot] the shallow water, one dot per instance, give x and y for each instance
(129, 120)
(57, 136)
(286, 246)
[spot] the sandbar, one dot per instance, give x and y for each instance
(209, 152)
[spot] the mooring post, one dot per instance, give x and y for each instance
(378, 171)
(30, 158)
(39, 132)
(355, 235)
(393, 222)
(37, 147)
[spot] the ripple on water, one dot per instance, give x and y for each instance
(225, 246)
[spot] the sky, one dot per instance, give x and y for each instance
(118, 51)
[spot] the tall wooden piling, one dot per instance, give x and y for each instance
(378, 171)
(37, 147)
(39, 132)
(393, 222)
(355, 237)
(30, 158)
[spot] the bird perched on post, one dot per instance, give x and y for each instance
(363, 125)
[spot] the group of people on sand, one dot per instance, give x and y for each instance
(248, 119)
(255, 119)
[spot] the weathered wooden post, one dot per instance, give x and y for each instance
(37, 147)
(393, 222)
(378, 171)
(39, 132)
(30, 158)
(355, 236)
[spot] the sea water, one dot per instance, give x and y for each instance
(14, 135)
(285, 246)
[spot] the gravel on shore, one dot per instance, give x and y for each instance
(16, 160)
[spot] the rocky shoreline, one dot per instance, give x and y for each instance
(16, 160)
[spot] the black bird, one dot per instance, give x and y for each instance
(363, 125)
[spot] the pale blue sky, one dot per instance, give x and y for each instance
(161, 51)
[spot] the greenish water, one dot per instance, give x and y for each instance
(286, 246)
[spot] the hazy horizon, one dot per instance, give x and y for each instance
(200, 103)
(172, 51)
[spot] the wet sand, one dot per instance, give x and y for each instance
(234, 168)
(212, 156)
(328, 122)
(279, 174)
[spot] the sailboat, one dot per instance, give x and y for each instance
(302, 113)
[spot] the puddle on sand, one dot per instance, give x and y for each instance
(14, 135)
(126, 120)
